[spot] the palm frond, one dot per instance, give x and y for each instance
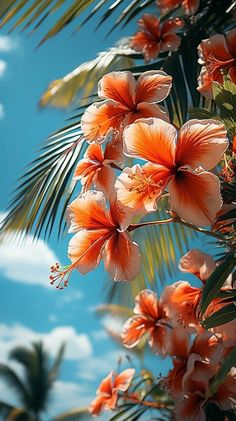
(15, 382)
(54, 371)
(83, 80)
(30, 15)
(47, 186)
(76, 414)
(19, 414)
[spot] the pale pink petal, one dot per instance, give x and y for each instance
(121, 257)
(205, 80)
(153, 86)
(124, 379)
(199, 263)
(152, 140)
(195, 197)
(138, 189)
(85, 249)
(119, 86)
(201, 143)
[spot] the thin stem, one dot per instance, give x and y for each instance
(132, 227)
(157, 405)
(203, 231)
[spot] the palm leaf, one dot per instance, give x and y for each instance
(28, 14)
(46, 187)
(83, 80)
(54, 371)
(15, 382)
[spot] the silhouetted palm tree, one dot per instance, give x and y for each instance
(34, 389)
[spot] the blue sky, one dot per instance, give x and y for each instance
(30, 309)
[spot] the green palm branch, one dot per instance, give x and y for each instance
(35, 386)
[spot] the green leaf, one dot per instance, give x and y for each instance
(228, 363)
(83, 80)
(216, 280)
(46, 188)
(220, 317)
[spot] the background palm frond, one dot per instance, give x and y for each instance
(27, 14)
(83, 80)
(76, 414)
(38, 197)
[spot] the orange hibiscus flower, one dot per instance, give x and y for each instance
(126, 100)
(98, 167)
(181, 300)
(217, 55)
(194, 364)
(190, 7)
(183, 166)
(98, 235)
(107, 392)
(155, 38)
(149, 319)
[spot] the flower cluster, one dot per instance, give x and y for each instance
(130, 124)
(171, 325)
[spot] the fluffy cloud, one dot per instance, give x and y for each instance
(69, 395)
(26, 260)
(7, 44)
(78, 346)
(3, 67)
(2, 112)
(95, 368)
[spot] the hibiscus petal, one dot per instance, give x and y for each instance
(180, 301)
(121, 257)
(215, 48)
(199, 263)
(195, 197)
(146, 110)
(124, 379)
(142, 42)
(190, 6)
(231, 40)
(88, 211)
(171, 25)
(205, 80)
(146, 303)
(190, 408)
(152, 140)
(104, 180)
(85, 249)
(101, 117)
(106, 384)
(159, 339)
(138, 189)
(170, 42)
(133, 330)
(153, 86)
(96, 405)
(201, 143)
(119, 86)
(94, 152)
(166, 6)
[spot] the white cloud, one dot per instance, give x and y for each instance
(78, 346)
(3, 67)
(2, 112)
(95, 368)
(26, 260)
(69, 395)
(7, 43)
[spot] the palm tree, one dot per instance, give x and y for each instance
(34, 390)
